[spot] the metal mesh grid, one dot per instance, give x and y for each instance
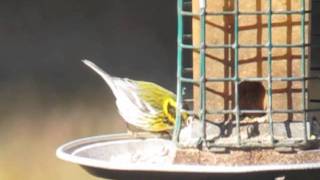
(183, 13)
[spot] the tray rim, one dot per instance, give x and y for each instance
(63, 153)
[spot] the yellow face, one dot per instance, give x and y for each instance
(169, 109)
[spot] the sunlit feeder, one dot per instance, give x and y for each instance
(249, 72)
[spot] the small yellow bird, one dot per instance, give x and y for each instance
(144, 105)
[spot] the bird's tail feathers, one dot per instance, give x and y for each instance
(105, 76)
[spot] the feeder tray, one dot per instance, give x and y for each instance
(122, 156)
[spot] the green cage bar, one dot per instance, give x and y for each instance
(179, 71)
(236, 69)
(269, 45)
(236, 79)
(202, 113)
(303, 73)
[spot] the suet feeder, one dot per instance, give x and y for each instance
(254, 79)
(252, 59)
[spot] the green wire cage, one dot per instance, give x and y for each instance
(209, 27)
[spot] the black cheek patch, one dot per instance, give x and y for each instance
(171, 110)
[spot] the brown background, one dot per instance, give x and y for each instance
(48, 97)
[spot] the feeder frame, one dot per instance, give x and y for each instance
(184, 11)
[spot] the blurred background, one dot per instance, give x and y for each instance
(48, 97)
